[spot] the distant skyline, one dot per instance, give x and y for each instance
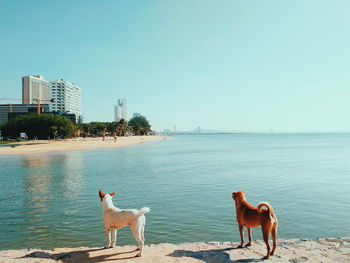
(221, 65)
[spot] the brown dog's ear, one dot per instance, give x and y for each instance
(234, 195)
(101, 194)
(112, 194)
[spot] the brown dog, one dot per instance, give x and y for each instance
(249, 217)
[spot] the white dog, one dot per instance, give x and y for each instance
(115, 218)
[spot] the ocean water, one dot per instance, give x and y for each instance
(51, 200)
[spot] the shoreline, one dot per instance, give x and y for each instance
(288, 250)
(49, 146)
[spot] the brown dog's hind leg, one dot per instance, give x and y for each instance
(242, 237)
(249, 236)
(266, 231)
(274, 238)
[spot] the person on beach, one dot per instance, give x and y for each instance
(103, 136)
(115, 138)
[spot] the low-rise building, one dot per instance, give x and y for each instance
(136, 114)
(9, 111)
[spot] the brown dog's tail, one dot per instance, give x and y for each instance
(269, 208)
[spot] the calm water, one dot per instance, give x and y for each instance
(51, 200)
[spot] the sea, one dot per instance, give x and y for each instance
(51, 200)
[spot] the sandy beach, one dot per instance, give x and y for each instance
(295, 251)
(46, 146)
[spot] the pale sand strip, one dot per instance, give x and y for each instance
(295, 251)
(33, 147)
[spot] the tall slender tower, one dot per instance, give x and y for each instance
(120, 110)
(34, 88)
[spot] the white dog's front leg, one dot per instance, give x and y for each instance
(114, 237)
(108, 234)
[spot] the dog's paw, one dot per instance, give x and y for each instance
(266, 257)
(138, 255)
(107, 247)
(241, 245)
(248, 244)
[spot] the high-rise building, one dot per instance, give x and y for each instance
(34, 88)
(120, 110)
(67, 98)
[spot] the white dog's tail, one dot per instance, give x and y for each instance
(143, 210)
(269, 208)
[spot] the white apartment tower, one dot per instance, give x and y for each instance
(35, 88)
(120, 110)
(67, 97)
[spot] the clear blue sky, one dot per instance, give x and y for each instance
(228, 65)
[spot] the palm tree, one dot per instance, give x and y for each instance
(122, 128)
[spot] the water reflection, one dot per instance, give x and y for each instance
(72, 173)
(37, 181)
(51, 183)
(37, 161)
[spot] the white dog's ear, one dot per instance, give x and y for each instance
(112, 194)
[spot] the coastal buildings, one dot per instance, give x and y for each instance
(67, 98)
(58, 97)
(136, 114)
(120, 110)
(198, 129)
(34, 88)
(9, 111)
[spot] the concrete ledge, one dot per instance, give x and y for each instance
(293, 250)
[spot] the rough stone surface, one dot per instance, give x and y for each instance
(289, 251)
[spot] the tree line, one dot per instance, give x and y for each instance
(49, 126)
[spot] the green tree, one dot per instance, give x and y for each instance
(112, 127)
(122, 128)
(140, 125)
(53, 131)
(41, 126)
(97, 128)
